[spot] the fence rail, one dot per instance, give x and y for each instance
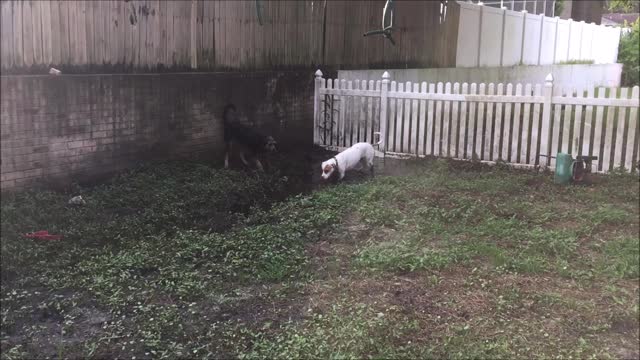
(518, 124)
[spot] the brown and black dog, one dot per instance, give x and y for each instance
(244, 137)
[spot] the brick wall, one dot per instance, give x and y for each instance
(55, 130)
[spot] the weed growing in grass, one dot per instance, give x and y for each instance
(344, 331)
(407, 255)
(621, 258)
(187, 263)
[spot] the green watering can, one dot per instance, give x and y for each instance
(569, 169)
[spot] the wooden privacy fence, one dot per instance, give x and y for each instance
(220, 35)
(525, 125)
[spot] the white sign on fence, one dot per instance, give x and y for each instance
(489, 36)
(522, 124)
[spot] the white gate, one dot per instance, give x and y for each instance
(523, 125)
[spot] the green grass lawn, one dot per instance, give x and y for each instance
(449, 260)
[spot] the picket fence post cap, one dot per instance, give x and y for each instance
(549, 78)
(386, 75)
(318, 73)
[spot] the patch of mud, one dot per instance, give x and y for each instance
(48, 331)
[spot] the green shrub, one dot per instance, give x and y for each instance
(629, 55)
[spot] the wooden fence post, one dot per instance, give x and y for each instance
(384, 91)
(316, 107)
(545, 141)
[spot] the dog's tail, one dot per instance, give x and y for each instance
(379, 142)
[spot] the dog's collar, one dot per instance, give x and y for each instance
(337, 167)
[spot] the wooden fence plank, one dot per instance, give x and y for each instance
(406, 123)
(393, 110)
(99, 21)
(156, 45)
(91, 31)
(112, 33)
(357, 107)
(587, 135)
(370, 118)
(535, 128)
(565, 144)
(526, 129)
(107, 28)
(477, 146)
(422, 121)
(335, 110)
(621, 124)
(47, 32)
(362, 124)
(6, 36)
(56, 33)
(18, 33)
(241, 37)
(377, 108)
(65, 27)
(84, 17)
(471, 125)
(327, 112)
(497, 127)
(342, 114)
(463, 124)
(596, 150)
(578, 126)
(516, 129)
(455, 124)
(446, 122)
(36, 40)
(133, 45)
(399, 121)
(27, 33)
(414, 123)
(115, 36)
(103, 30)
(633, 131)
(437, 132)
(77, 28)
(556, 126)
(507, 126)
(206, 31)
(488, 125)
(430, 128)
(609, 137)
(338, 126)
(354, 117)
(348, 117)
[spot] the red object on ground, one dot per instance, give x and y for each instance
(43, 235)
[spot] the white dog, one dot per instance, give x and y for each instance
(360, 154)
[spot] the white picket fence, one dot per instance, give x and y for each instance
(524, 125)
